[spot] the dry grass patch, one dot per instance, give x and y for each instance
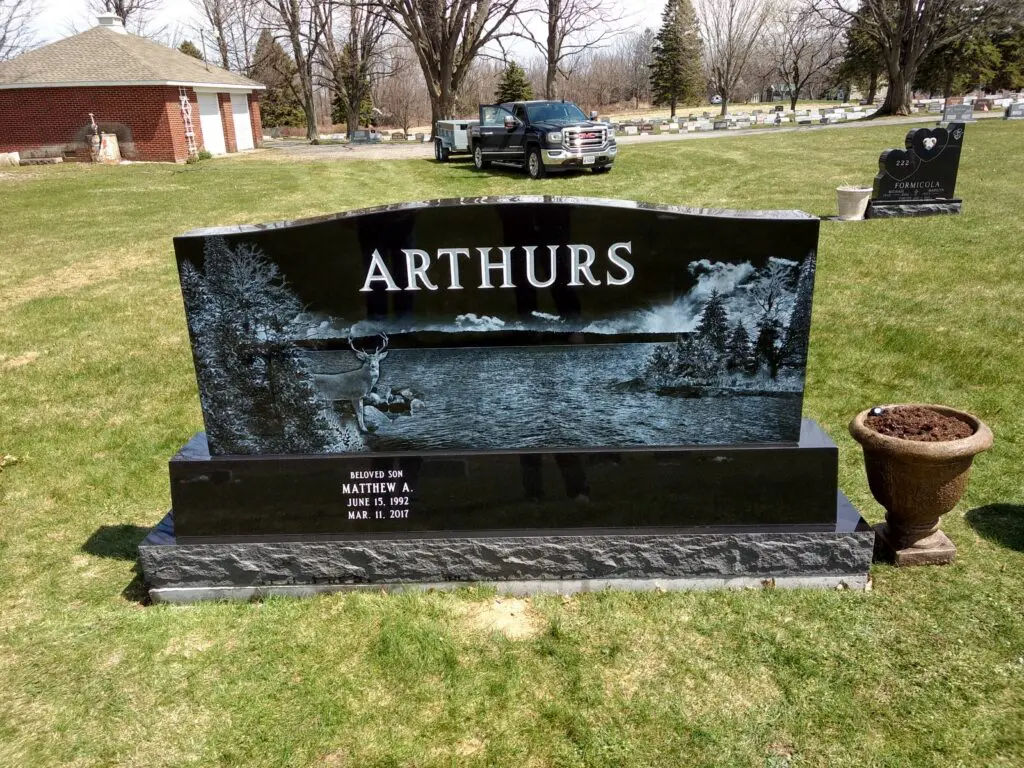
(75, 277)
(513, 617)
(334, 759)
(10, 363)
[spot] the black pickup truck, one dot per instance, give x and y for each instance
(542, 136)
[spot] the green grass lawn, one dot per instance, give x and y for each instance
(97, 391)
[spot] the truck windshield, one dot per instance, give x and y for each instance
(554, 112)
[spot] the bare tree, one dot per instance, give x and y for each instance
(235, 29)
(636, 53)
(304, 25)
(805, 44)
(447, 35)
(570, 28)
(729, 30)
(906, 31)
(761, 70)
(136, 14)
(15, 27)
(402, 96)
(353, 60)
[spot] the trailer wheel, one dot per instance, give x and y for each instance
(441, 152)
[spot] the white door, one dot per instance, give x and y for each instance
(209, 121)
(243, 127)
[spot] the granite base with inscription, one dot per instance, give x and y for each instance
(919, 180)
(538, 393)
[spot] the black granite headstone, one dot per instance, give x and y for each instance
(958, 113)
(1014, 111)
(921, 179)
(523, 366)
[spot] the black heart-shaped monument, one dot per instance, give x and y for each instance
(899, 164)
(927, 143)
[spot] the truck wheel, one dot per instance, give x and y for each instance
(535, 164)
(478, 158)
(441, 152)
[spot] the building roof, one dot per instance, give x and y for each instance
(101, 56)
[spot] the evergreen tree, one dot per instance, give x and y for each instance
(255, 385)
(513, 85)
(714, 322)
(740, 357)
(961, 66)
(676, 76)
(1009, 74)
(794, 348)
(189, 49)
(274, 68)
(352, 103)
(340, 106)
(660, 365)
(767, 349)
(863, 61)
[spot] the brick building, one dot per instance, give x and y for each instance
(134, 87)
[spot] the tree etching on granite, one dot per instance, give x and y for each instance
(254, 383)
(752, 339)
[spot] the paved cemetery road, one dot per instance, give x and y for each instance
(300, 150)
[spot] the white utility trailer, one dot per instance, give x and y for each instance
(452, 138)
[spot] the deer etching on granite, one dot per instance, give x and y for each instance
(353, 386)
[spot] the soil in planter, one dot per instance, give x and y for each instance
(912, 422)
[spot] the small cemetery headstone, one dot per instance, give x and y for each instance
(492, 390)
(631, 130)
(721, 125)
(1014, 111)
(647, 128)
(360, 137)
(934, 106)
(919, 180)
(958, 113)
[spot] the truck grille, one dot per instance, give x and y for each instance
(584, 139)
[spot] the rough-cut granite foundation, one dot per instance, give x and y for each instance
(783, 556)
(891, 210)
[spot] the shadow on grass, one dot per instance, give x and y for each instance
(121, 542)
(498, 170)
(1001, 524)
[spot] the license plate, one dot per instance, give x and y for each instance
(589, 160)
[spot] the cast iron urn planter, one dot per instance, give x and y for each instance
(918, 482)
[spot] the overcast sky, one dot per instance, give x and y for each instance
(59, 18)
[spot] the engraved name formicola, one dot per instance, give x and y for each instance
(448, 267)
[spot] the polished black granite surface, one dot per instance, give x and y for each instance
(239, 498)
(925, 170)
(514, 323)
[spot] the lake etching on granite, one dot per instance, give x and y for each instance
(511, 323)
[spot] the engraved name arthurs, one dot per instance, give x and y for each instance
(491, 267)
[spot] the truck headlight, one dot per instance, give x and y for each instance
(555, 137)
